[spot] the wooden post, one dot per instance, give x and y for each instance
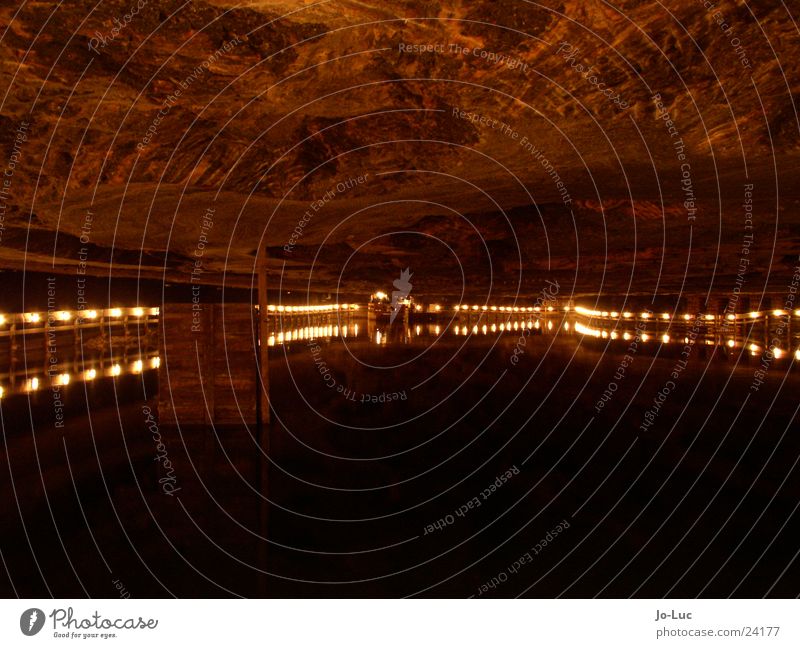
(263, 419)
(263, 336)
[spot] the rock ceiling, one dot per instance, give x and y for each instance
(485, 145)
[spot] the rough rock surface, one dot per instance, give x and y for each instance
(281, 101)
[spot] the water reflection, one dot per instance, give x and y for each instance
(776, 332)
(54, 349)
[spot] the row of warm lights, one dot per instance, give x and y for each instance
(320, 308)
(625, 314)
(503, 327)
(64, 379)
(309, 333)
(68, 316)
(505, 309)
(666, 316)
(599, 333)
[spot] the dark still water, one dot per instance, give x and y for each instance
(468, 454)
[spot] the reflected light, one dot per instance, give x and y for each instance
(585, 330)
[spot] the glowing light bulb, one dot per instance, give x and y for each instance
(115, 312)
(138, 312)
(116, 370)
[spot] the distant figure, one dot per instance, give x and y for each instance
(404, 287)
